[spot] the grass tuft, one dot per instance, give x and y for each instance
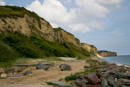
(71, 77)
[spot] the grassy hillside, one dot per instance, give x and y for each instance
(18, 45)
(14, 45)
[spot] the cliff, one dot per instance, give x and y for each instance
(17, 19)
(107, 53)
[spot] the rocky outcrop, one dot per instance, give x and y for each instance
(26, 25)
(87, 47)
(63, 36)
(107, 53)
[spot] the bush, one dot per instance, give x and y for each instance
(7, 53)
(71, 77)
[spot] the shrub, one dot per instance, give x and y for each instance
(71, 77)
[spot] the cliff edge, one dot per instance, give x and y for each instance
(14, 20)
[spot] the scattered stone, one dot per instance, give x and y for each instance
(78, 75)
(104, 82)
(60, 84)
(111, 81)
(95, 85)
(20, 70)
(80, 83)
(28, 73)
(3, 75)
(16, 76)
(42, 66)
(87, 66)
(64, 67)
(10, 70)
(121, 75)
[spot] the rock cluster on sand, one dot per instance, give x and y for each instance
(111, 76)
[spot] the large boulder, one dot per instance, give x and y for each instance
(60, 84)
(10, 70)
(64, 67)
(93, 78)
(42, 66)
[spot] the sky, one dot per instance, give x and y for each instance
(102, 23)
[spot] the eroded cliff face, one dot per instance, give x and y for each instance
(28, 25)
(89, 48)
(107, 53)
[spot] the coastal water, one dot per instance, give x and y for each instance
(122, 59)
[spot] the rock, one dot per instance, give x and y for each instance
(104, 82)
(42, 66)
(20, 70)
(11, 75)
(112, 66)
(60, 84)
(124, 80)
(123, 86)
(28, 73)
(64, 67)
(107, 73)
(98, 75)
(92, 77)
(3, 75)
(121, 75)
(111, 81)
(87, 66)
(10, 70)
(80, 83)
(95, 85)
(78, 75)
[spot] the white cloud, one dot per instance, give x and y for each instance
(79, 28)
(79, 19)
(51, 10)
(110, 3)
(2, 2)
(96, 25)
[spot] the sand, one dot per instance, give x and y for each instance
(40, 77)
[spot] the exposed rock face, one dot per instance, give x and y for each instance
(26, 25)
(88, 47)
(107, 53)
(64, 36)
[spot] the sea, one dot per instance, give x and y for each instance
(120, 59)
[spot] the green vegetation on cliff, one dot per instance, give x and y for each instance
(18, 45)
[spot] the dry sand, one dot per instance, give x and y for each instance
(40, 77)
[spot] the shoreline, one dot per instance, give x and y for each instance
(119, 64)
